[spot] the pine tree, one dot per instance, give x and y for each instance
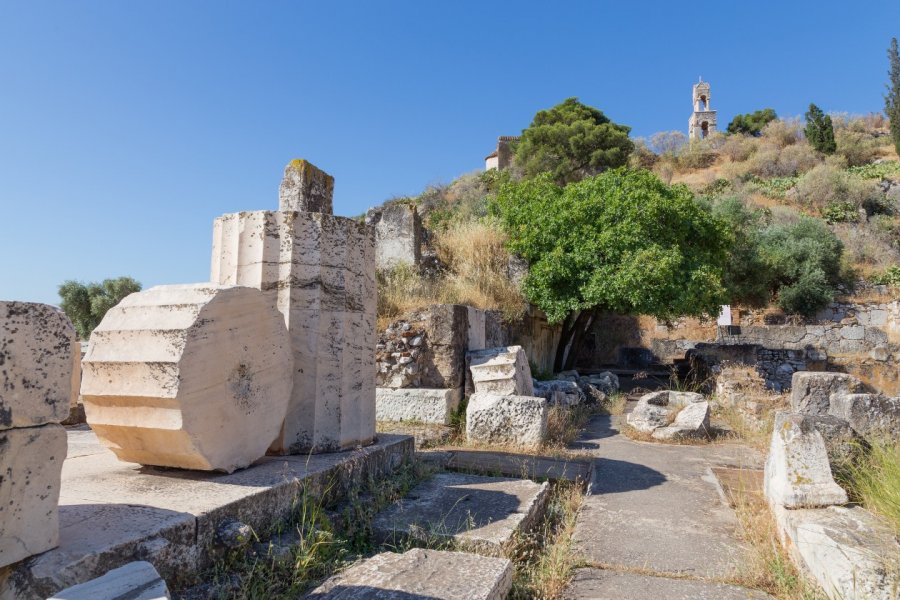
(892, 98)
(820, 130)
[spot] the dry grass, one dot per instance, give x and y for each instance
(544, 560)
(476, 274)
(564, 424)
(873, 479)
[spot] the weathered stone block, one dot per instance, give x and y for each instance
(418, 573)
(37, 351)
(691, 421)
(798, 474)
(513, 420)
(447, 333)
(319, 272)
(417, 404)
(477, 513)
(31, 461)
(476, 318)
(189, 376)
(398, 234)
(305, 188)
(135, 581)
(659, 409)
(504, 371)
(811, 391)
(869, 415)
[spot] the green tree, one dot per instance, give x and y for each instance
(622, 241)
(86, 304)
(820, 130)
(572, 141)
(752, 123)
(892, 99)
(747, 277)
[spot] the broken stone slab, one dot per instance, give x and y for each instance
(798, 473)
(691, 421)
(31, 460)
(398, 234)
(811, 391)
(37, 351)
(476, 513)
(529, 466)
(417, 404)
(423, 574)
(189, 376)
(869, 415)
(305, 188)
(559, 391)
(659, 409)
(135, 581)
(850, 553)
(504, 371)
(507, 420)
(318, 270)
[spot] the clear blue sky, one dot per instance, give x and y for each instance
(127, 127)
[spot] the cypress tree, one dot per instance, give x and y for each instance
(820, 130)
(892, 98)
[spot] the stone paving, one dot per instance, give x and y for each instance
(656, 523)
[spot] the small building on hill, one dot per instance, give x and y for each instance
(502, 157)
(703, 119)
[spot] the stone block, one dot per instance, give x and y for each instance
(659, 409)
(504, 371)
(31, 460)
(417, 404)
(398, 234)
(869, 415)
(319, 271)
(691, 421)
(476, 318)
(37, 351)
(559, 391)
(477, 513)
(447, 332)
(846, 550)
(423, 574)
(798, 474)
(190, 376)
(305, 188)
(811, 391)
(496, 332)
(135, 581)
(513, 420)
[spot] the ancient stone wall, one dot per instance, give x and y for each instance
(398, 234)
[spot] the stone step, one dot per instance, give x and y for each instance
(418, 573)
(475, 513)
(135, 581)
(527, 466)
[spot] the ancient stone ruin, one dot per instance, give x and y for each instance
(398, 234)
(305, 188)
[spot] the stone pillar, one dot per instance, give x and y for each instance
(319, 271)
(37, 343)
(189, 376)
(306, 188)
(398, 234)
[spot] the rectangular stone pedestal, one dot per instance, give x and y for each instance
(418, 405)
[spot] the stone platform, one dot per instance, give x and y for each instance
(112, 513)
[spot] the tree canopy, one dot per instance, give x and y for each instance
(86, 303)
(752, 123)
(572, 141)
(892, 98)
(820, 130)
(622, 241)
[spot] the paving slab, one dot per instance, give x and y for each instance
(510, 464)
(476, 513)
(598, 584)
(135, 581)
(421, 575)
(113, 512)
(658, 507)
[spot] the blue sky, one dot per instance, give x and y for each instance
(127, 127)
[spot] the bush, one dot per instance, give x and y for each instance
(890, 276)
(776, 187)
(882, 170)
(752, 123)
(826, 185)
(747, 277)
(840, 212)
(858, 148)
(738, 148)
(781, 132)
(770, 160)
(642, 157)
(668, 142)
(866, 246)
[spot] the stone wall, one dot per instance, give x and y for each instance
(862, 339)
(398, 234)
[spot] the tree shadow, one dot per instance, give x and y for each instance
(618, 476)
(598, 428)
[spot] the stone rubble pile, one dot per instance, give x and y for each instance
(846, 550)
(668, 415)
(37, 347)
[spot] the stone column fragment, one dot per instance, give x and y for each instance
(37, 349)
(305, 188)
(190, 376)
(319, 271)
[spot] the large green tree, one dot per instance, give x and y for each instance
(820, 130)
(572, 141)
(86, 303)
(752, 123)
(892, 98)
(622, 241)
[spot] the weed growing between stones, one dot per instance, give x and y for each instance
(564, 424)
(544, 559)
(613, 405)
(316, 542)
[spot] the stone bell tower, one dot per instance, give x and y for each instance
(703, 119)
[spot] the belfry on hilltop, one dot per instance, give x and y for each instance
(703, 119)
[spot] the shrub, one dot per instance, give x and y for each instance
(642, 157)
(668, 142)
(880, 170)
(747, 277)
(738, 148)
(889, 276)
(866, 245)
(857, 147)
(820, 130)
(840, 212)
(781, 132)
(826, 185)
(776, 187)
(752, 123)
(797, 159)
